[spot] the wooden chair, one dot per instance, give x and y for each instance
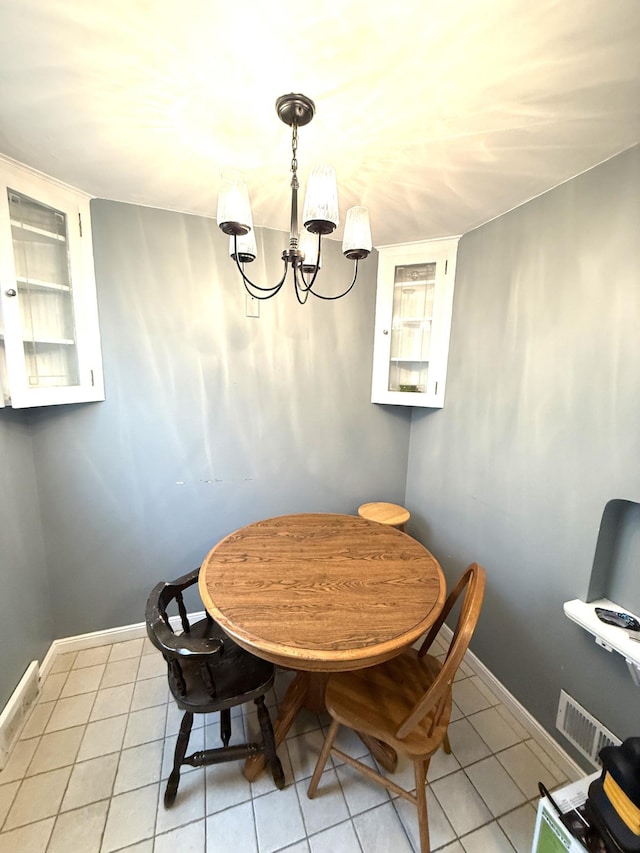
(208, 672)
(405, 702)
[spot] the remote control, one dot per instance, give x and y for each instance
(615, 617)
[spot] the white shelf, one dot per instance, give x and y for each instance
(66, 342)
(418, 282)
(608, 637)
(49, 342)
(37, 284)
(24, 231)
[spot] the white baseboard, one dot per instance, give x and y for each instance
(101, 638)
(24, 695)
(15, 713)
(17, 710)
(65, 645)
(569, 767)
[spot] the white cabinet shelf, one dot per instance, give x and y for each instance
(607, 636)
(35, 284)
(414, 302)
(49, 334)
(33, 234)
(50, 342)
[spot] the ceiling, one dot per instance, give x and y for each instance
(437, 116)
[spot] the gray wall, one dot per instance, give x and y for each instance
(540, 429)
(25, 614)
(212, 419)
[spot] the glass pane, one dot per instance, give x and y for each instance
(411, 327)
(43, 282)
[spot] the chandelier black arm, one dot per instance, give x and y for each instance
(339, 295)
(309, 284)
(303, 286)
(300, 281)
(298, 289)
(269, 291)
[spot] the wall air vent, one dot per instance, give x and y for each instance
(587, 734)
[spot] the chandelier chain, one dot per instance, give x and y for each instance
(294, 149)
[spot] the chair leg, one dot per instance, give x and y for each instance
(225, 726)
(269, 741)
(322, 758)
(420, 771)
(181, 750)
(446, 745)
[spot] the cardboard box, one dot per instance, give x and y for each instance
(550, 835)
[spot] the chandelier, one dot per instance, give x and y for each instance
(320, 217)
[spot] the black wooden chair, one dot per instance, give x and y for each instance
(208, 672)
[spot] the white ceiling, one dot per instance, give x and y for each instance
(436, 115)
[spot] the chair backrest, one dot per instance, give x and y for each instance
(473, 583)
(197, 646)
(158, 622)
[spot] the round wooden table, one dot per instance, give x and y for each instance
(318, 593)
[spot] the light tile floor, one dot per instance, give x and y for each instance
(88, 775)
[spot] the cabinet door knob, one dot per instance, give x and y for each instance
(385, 331)
(11, 292)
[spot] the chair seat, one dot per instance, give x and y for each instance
(238, 675)
(376, 700)
(385, 513)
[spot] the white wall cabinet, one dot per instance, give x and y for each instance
(414, 302)
(49, 334)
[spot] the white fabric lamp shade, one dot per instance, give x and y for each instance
(246, 247)
(308, 245)
(234, 208)
(320, 212)
(356, 242)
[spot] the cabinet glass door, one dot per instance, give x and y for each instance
(44, 290)
(413, 290)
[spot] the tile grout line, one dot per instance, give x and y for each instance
(304, 823)
(25, 774)
(26, 771)
(75, 762)
(122, 747)
(109, 800)
(523, 739)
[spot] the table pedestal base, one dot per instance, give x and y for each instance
(307, 691)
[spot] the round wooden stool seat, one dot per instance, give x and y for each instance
(384, 513)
